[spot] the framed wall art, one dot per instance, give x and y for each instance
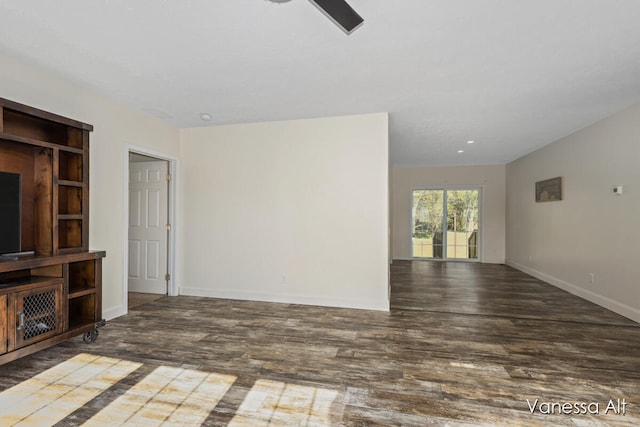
(549, 190)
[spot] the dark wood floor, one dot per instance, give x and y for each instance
(463, 344)
(136, 299)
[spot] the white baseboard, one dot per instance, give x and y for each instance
(601, 300)
(484, 261)
(113, 312)
(363, 304)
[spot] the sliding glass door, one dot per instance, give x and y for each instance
(446, 223)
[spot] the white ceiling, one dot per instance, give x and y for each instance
(513, 75)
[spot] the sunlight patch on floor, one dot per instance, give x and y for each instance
(278, 403)
(55, 393)
(168, 397)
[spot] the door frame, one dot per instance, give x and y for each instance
(174, 169)
(480, 189)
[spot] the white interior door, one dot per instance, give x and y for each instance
(148, 235)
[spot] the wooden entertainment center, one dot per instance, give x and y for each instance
(53, 291)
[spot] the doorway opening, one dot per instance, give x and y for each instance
(446, 223)
(150, 239)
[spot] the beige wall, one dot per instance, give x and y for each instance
(326, 202)
(293, 211)
(490, 178)
(115, 127)
(590, 230)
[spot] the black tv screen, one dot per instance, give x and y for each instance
(9, 212)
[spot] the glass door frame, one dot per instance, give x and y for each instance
(446, 188)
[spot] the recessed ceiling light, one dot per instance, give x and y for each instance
(205, 117)
(460, 151)
(470, 142)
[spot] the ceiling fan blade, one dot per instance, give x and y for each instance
(341, 13)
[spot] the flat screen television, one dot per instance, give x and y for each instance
(10, 212)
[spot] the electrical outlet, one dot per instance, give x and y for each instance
(591, 277)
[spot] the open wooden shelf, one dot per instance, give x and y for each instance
(82, 275)
(27, 280)
(35, 142)
(69, 234)
(69, 201)
(35, 128)
(82, 311)
(70, 166)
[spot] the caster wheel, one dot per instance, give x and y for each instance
(90, 336)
